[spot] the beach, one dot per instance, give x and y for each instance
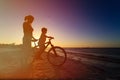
(17, 65)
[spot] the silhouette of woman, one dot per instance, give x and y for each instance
(27, 30)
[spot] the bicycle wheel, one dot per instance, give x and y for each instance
(57, 56)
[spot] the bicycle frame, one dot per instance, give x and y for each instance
(52, 53)
(48, 43)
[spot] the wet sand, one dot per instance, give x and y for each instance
(17, 67)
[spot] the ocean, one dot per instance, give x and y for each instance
(107, 60)
(96, 51)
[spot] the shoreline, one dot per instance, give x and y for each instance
(74, 68)
(97, 57)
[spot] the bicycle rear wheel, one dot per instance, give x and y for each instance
(57, 56)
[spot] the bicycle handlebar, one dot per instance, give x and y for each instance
(51, 38)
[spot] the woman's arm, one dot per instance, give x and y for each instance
(34, 39)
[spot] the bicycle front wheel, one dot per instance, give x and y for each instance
(57, 56)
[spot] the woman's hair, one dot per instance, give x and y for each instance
(29, 17)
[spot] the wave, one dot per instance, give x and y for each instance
(106, 52)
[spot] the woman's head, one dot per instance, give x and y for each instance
(44, 30)
(29, 18)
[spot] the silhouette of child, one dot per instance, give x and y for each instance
(41, 42)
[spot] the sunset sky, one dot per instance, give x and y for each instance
(73, 23)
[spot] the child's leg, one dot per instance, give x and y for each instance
(39, 53)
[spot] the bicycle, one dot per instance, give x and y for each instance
(55, 55)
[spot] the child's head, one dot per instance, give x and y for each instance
(44, 30)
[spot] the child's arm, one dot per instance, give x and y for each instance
(49, 37)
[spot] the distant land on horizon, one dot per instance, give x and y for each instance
(20, 45)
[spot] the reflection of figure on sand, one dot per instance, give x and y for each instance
(41, 42)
